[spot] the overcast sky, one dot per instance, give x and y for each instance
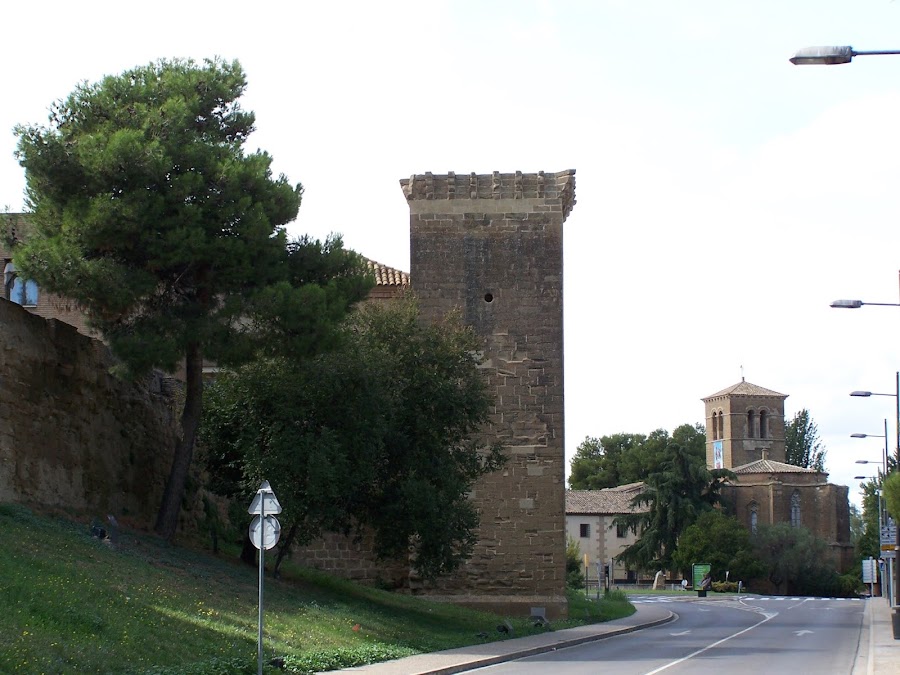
(725, 196)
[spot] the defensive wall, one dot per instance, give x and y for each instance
(73, 436)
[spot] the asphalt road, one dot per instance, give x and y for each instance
(754, 635)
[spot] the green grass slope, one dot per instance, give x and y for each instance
(70, 603)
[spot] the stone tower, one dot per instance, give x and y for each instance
(491, 246)
(744, 423)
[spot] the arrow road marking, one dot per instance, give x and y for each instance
(798, 633)
(713, 645)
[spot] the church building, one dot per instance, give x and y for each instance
(745, 433)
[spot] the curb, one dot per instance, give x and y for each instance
(563, 643)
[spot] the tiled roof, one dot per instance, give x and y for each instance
(387, 276)
(609, 500)
(744, 388)
(768, 466)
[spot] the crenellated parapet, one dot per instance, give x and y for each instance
(550, 187)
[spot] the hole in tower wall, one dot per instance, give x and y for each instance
(488, 297)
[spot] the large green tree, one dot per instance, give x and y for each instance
(802, 444)
(150, 215)
(796, 561)
(891, 486)
(381, 433)
(672, 499)
(867, 539)
(623, 458)
(720, 540)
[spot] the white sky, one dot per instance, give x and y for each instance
(725, 197)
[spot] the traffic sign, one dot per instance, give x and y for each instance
(272, 532)
(265, 497)
(870, 571)
(264, 533)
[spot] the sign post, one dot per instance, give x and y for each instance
(870, 574)
(264, 533)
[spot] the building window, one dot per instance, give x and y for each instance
(795, 509)
(715, 426)
(621, 530)
(751, 423)
(20, 291)
(721, 424)
(584, 530)
(763, 424)
(754, 518)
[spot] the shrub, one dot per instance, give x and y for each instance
(574, 574)
(725, 586)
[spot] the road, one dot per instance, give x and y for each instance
(754, 635)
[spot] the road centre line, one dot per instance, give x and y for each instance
(768, 615)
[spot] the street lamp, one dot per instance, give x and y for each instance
(895, 562)
(896, 395)
(856, 304)
(885, 436)
(830, 56)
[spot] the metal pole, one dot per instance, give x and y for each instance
(881, 578)
(896, 583)
(886, 452)
(262, 553)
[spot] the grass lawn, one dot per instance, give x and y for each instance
(70, 603)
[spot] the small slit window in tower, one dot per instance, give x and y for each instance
(751, 423)
(795, 509)
(763, 424)
(721, 424)
(715, 426)
(754, 517)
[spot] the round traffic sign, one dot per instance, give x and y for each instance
(273, 532)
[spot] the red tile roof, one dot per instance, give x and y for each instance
(387, 276)
(607, 501)
(744, 388)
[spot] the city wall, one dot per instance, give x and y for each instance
(73, 436)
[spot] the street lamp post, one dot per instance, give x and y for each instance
(834, 56)
(896, 395)
(882, 518)
(884, 458)
(856, 304)
(895, 594)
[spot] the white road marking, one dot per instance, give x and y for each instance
(769, 616)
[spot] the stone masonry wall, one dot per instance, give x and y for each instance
(491, 245)
(72, 436)
(344, 556)
(824, 508)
